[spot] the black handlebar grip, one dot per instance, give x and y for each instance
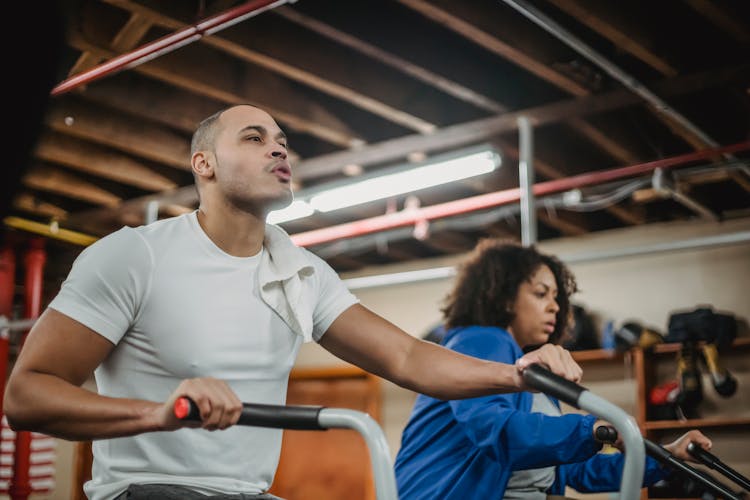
(606, 434)
(702, 455)
(259, 415)
(541, 379)
(713, 462)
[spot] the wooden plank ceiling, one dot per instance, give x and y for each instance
(375, 83)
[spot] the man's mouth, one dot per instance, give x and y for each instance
(282, 171)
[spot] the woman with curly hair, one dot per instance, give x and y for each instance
(508, 299)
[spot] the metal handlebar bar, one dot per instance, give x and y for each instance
(712, 461)
(608, 434)
(540, 378)
(317, 418)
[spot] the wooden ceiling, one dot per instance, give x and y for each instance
(376, 83)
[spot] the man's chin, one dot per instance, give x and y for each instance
(281, 202)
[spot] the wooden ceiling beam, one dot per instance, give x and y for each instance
(723, 20)
(238, 86)
(609, 30)
(325, 85)
(415, 71)
(55, 181)
(496, 46)
(71, 117)
(627, 38)
(33, 205)
(126, 39)
(484, 129)
(92, 159)
(528, 62)
(554, 173)
(455, 136)
(567, 224)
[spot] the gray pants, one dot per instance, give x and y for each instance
(172, 492)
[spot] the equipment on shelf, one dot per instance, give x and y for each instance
(633, 334)
(702, 333)
(582, 334)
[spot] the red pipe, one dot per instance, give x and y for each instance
(409, 217)
(7, 281)
(20, 484)
(167, 43)
(7, 292)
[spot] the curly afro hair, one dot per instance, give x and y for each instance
(488, 281)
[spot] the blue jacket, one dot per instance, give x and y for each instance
(466, 449)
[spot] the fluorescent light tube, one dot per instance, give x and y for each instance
(405, 181)
(296, 210)
(397, 180)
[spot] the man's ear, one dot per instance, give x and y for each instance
(202, 164)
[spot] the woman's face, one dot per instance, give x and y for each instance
(535, 309)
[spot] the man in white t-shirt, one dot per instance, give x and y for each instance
(212, 305)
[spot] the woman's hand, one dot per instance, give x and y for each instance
(678, 448)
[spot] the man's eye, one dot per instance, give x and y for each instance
(254, 138)
(284, 145)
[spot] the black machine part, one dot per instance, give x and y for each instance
(609, 434)
(712, 462)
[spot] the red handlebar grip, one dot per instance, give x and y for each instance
(181, 408)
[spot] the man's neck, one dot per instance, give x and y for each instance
(238, 234)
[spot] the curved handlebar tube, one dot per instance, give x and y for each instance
(573, 394)
(317, 418)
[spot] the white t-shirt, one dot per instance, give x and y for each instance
(176, 306)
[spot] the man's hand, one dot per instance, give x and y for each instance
(555, 358)
(678, 448)
(219, 406)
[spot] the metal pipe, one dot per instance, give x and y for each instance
(526, 181)
(18, 324)
(450, 271)
(411, 217)
(36, 257)
(7, 292)
(665, 189)
(635, 451)
(168, 43)
(52, 231)
(377, 445)
(152, 211)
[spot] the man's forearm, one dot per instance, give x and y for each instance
(445, 374)
(45, 403)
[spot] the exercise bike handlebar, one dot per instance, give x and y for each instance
(316, 418)
(541, 379)
(608, 434)
(712, 461)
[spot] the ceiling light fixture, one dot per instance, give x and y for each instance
(391, 182)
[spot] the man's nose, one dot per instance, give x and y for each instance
(279, 153)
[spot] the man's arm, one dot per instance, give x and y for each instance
(369, 341)
(44, 392)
